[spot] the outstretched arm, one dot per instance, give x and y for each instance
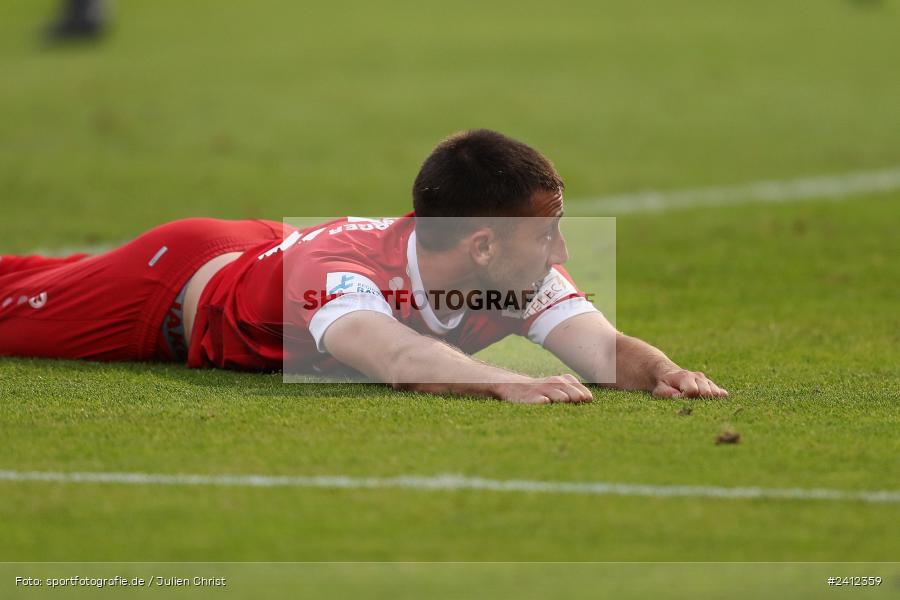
(390, 352)
(590, 345)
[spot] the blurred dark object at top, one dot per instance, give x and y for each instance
(79, 20)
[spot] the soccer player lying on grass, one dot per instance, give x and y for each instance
(259, 295)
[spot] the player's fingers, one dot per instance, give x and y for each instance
(555, 392)
(536, 398)
(703, 386)
(584, 393)
(720, 392)
(688, 385)
(664, 390)
(575, 394)
(539, 399)
(524, 394)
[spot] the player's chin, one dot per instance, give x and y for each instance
(537, 283)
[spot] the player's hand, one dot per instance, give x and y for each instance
(688, 384)
(559, 388)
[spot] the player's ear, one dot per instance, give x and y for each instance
(482, 245)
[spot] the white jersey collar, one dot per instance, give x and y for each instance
(418, 291)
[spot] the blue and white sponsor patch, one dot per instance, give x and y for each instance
(350, 283)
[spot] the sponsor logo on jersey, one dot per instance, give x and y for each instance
(553, 288)
(362, 224)
(343, 282)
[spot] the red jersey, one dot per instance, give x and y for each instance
(271, 307)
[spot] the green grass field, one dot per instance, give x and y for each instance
(275, 109)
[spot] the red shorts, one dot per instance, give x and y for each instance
(111, 306)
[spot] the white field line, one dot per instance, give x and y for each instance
(822, 187)
(841, 186)
(455, 483)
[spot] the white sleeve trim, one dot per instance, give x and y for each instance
(343, 305)
(557, 314)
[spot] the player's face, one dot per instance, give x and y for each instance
(533, 247)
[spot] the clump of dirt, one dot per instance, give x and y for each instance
(728, 437)
(685, 411)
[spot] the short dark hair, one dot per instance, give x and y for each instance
(477, 173)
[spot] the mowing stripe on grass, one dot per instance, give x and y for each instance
(454, 483)
(821, 187)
